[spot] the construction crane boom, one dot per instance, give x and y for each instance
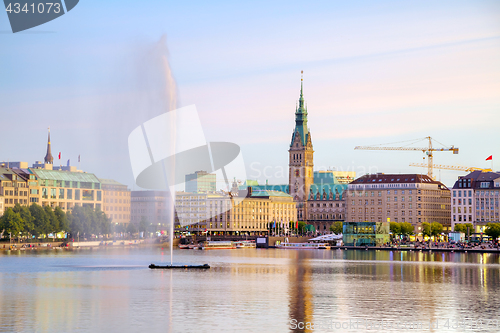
(451, 167)
(428, 151)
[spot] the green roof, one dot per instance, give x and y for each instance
(64, 175)
(247, 183)
(325, 177)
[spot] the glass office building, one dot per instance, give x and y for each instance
(200, 182)
(365, 233)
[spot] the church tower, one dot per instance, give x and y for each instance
(48, 158)
(300, 166)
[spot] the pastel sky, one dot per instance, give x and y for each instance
(374, 73)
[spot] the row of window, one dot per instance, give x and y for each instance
(379, 193)
(89, 195)
(462, 218)
(16, 193)
(326, 217)
(107, 200)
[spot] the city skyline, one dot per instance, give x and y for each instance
(373, 74)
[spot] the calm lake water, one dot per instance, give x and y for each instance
(249, 290)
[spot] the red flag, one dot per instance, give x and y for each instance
(490, 158)
(59, 155)
(297, 225)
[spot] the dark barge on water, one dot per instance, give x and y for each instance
(204, 266)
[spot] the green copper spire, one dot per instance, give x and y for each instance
(301, 115)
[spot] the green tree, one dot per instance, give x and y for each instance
(53, 223)
(62, 220)
(492, 230)
(436, 229)
(460, 227)
(469, 229)
(301, 227)
(87, 221)
(337, 227)
(74, 223)
(11, 222)
(406, 228)
(426, 229)
(40, 220)
(131, 229)
(104, 222)
(118, 228)
(395, 228)
(24, 212)
(143, 224)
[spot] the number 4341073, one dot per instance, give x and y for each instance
(40, 8)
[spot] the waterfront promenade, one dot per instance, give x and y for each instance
(247, 290)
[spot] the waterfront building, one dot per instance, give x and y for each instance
(398, 198)
(191, 208)
(200, 182)
(64, 189)
(116, 201)
(326, 203)
(250, 212)
(2, 207)
(152, 206)
(55, 188)
(475, 199)
(13, 188)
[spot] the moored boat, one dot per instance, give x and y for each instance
(245, 244)
(217, 245)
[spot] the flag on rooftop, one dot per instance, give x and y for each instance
(490, 158)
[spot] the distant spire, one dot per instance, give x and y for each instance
(301, 82)
(48, 158)
(301, 99)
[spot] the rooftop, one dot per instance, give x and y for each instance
(64, 175)
(110, 182)
(395, 178)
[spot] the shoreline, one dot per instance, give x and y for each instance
(411, 249)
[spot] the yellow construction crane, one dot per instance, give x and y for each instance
(428, 151)
(451, 167)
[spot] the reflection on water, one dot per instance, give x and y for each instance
(246, 290)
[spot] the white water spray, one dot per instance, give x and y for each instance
(171, 93)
